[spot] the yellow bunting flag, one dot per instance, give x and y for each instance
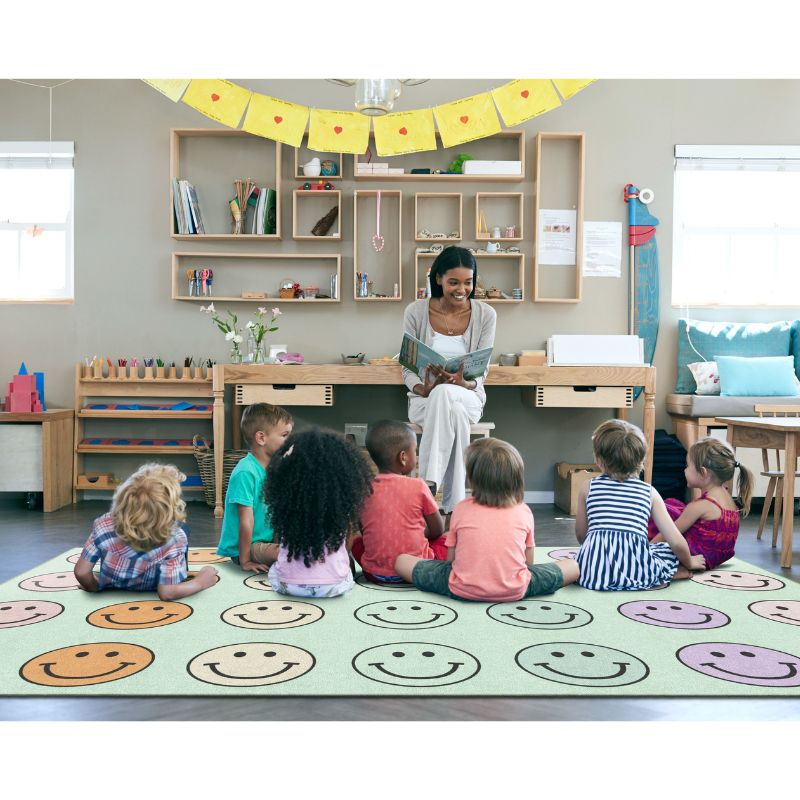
(520, 100)
(467, 119)
(276, 119)
(170, 87)
(567, 87)
(220, 100)
(338, 131)
(404, 132)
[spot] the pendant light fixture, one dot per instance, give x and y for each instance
(375, 96)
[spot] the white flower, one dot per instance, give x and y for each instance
(250, 324)
(262, 310)
(238, 339)
(276, 312)
(209, 309)
(229, 335)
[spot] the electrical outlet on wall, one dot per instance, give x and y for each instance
(358, 432)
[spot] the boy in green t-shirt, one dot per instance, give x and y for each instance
(246, 535)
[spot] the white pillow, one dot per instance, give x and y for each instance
(706, 376)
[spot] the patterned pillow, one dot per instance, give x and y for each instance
(706, 376)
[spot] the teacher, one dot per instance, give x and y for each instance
(444, 404)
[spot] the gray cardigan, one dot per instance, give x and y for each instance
(479, 334)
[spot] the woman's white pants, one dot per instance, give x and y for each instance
(445, 416)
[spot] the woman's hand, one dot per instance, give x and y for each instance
(430, 380)
(456, 378)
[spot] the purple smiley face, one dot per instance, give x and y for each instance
(742, 663)
(674, 614)
(559, 555)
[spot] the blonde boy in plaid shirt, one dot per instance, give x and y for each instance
(139, 543)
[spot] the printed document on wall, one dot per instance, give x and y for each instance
(602, 249)
(557, 236)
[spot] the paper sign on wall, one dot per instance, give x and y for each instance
(404, 132)
(602, 249)
(220, 100)
(464, 120)
(276, 119)
(169, 87)
(556, 236)
(568, 87)
(338, 131)
(520, 100)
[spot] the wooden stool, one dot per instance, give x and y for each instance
(483, 429)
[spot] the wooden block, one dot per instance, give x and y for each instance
(532, 358)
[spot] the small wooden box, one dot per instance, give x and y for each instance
(278, 394)
(582, 397)
(532, 358)
(569, 480)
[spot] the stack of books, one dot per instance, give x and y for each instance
(377, 168)
(187, 209)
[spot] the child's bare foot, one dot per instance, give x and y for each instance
(681, 574)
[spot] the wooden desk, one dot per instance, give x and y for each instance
(777, 433)
(338, 374)
(36, 454)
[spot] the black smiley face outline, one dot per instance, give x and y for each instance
(123, 665)
(41, 588)
(785, 621)
(21, 623)
(379, 665)
(392, 625)
(268, 625)
(677, 625)
(541, 625)
(622, 666)
(793, 670)
(133, 625)
(287, 666)
(705, 579)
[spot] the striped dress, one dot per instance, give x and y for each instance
(616, 554)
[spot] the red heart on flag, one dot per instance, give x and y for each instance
(278, 120)
(465, 120)
(215, 97)
(337, 130)
(525, 93)
(402, 131)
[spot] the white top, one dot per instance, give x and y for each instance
(449, 346)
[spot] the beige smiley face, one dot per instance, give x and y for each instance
(739, 581)
(786, 611)
(16, 613)
(272, 614)
(251, 664)
(205, 555)
(139, 614)
(87, 664)
(50, 582)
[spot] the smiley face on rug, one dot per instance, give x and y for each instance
(559, 555)
(139, 614)
(251, 664)
(50, 582)
(409, 615)
(268, 615)
(384, 587)
(741, 581)
(581, 664)
(674, 614)
(205, 555)
(786, 611)
(742, 663)
(16, 613)
(416, 664)
(87, 664)
(544, 615)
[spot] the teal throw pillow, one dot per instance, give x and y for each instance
(757, 377)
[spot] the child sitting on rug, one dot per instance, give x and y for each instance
(140, 543)
(612, 515)
(315, 488)
(400, 516)
(710, 524)
(490, 540)
(246, 533)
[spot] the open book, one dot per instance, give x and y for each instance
(416, 355)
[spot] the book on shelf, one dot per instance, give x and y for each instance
(258, 216)
(187, 211)
(177, 204)
(270, 212)
(416, 356)
(194, 205)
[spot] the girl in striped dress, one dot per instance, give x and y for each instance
(611, 521)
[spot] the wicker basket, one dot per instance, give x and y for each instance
(204, 455)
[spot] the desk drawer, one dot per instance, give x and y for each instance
(583, 397)
(284, 394)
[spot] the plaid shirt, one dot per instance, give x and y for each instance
(122, 567)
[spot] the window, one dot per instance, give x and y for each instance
(36, 221)
(736, 232)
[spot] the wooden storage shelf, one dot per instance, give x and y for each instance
(565, 169)
(303, 154)
(440, 221)
(99, 414)
(280, 394)
(275, 267)
(321, 201)
(503, 146)
(386, 267)
(494, 205)
(518, 275)
(196, 155)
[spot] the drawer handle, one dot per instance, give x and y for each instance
(286, 387)
(584, 388)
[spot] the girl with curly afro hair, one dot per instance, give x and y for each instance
(315, 487)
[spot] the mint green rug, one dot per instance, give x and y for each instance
(734, 631)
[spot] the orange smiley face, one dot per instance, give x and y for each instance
(139, 614)
(86, 664)
(205, 555)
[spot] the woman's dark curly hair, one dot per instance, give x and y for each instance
(315, 487)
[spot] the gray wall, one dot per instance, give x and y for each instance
(122, 250)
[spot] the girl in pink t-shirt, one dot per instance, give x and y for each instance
(490, 541)
(315, 487)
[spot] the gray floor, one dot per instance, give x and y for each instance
(28, 538)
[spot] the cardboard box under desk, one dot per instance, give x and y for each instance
(569, 480)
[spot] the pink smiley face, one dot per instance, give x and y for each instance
(50, 582)
(740, 581)
(674, 614)
(742, 663)
(559, 555)
(786, 611)
(16, 613)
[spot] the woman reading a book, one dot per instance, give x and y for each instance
(442, 403)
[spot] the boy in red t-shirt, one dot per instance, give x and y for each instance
(400, 516)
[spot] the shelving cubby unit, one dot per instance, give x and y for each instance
(499, 210)
(211, 159)
(438, 212)
(257, 272)
(386, 266)
(308, 206)
(505, 271)
(303, 155)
